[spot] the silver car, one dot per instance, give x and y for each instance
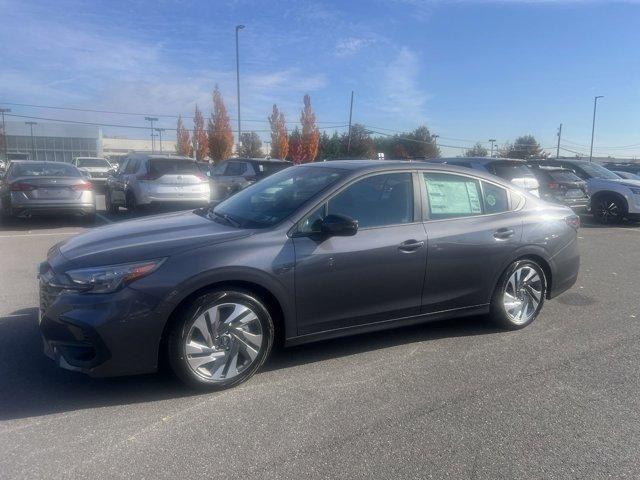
(32, 188)
(156, 179)
(96, 169)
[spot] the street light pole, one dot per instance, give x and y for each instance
(559, 137)
(238, 28)
(33, 144)
(151, 119)
(492, 140)
(350, 115)
(4, 130)
(435, 140)
(160, 130)
(593, 124)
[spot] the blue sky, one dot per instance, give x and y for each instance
(470, 70)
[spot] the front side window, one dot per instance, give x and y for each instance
(452, 196)
(376, 201)
(267, 202)
(132, 166)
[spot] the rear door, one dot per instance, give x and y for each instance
(373, 276)
(472, 232)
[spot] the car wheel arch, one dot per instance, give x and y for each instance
(610, 193)
(535, 254)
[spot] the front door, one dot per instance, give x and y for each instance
(373, 276)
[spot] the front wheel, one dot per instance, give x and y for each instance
(519, 295)
(221, 340)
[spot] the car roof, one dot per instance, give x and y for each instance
(481, 160)
(267, 160)
(367, 166)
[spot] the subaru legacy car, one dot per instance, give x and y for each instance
(144, 180)
(612, 198)
(33, 188)
(312, 252)
(514, 170)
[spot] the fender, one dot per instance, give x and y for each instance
(236, 274)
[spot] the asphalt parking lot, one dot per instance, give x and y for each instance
(455, 399)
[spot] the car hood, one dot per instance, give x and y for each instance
(600, 183)
(146, 238)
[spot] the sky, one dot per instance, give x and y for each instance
(470, 70)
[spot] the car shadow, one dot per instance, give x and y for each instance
(32, 385)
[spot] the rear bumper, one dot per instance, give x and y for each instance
(42, 209)
(565, 266)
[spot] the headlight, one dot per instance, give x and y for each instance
(635, 191)
(110, 278)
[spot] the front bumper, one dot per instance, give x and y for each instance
(100, 334)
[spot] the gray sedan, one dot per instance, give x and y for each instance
(32, 188)
(309, 253)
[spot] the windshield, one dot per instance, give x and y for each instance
(45, 169)
(93, 162)
(267, 202)
(509, 171)
(594, 170)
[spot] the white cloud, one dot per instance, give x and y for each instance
(350, 46)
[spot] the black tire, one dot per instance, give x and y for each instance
(498, 311)
(182, 331)
(609, 210)
(109, 205)
(89, 219)
(132, 203)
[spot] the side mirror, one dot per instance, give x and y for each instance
(336, 225)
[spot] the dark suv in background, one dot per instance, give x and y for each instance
(562, 186)
(233, 175)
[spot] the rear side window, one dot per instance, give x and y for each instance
(495, 198)
(132, 166)
(264, 169)
(163, 166)
(452, 196)
(236, 168)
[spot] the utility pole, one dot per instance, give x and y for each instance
(350, 115)
(4, 130)
(593, 124)
(559, 137)
(492, 140)
(160, 130)
(194, 140)
(33, 143)
(151, 120)
(435, 140)
(238, 28)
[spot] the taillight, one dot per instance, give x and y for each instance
(553, 185)
(22, 187)
(573, 221)
(82, 187)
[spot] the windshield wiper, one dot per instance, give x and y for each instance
(229, 220)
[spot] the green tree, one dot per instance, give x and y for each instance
(330, 146)
(416, 144)
(251, 145)
(476, 151)
(524, 147)
(361, 145)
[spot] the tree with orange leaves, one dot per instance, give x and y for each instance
(183, 140)
(279, 135)
(310, 132)
(200, 136)
(220, 134)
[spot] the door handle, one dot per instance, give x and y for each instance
(504, 233)
(410, 246)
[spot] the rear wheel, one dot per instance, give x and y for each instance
(109, 205)
(132, 203)
(519, 295)
(221, 340)
(609, 210)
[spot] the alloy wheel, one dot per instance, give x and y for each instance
(223, 341)
(608, 211)
(522, 294)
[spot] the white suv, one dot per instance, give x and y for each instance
(612, 198)
(154, 179)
